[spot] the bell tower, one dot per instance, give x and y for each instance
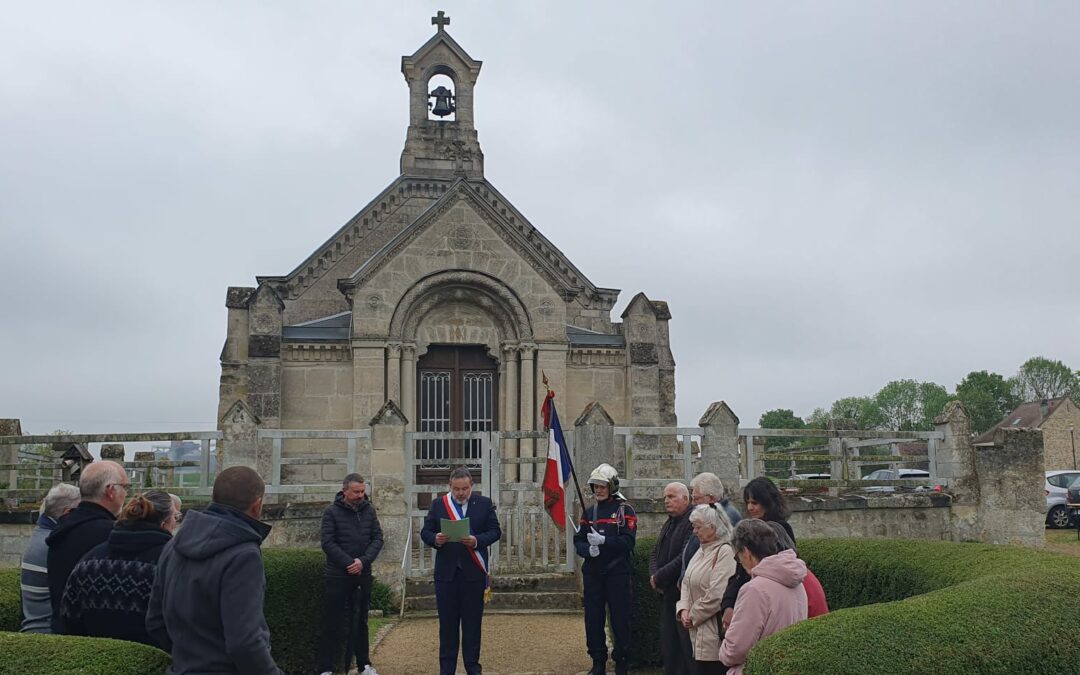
(441, 140)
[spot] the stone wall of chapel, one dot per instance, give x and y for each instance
(322, 298)
(588, 383)
(591, 319)
(459, 239)
(315, 395)
(1057, 442)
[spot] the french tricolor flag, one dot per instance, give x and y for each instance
(558, 464)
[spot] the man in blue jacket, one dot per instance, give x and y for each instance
(461, 570)
(206, 606)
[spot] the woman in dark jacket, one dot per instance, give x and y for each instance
(763, 502)
(108, 591)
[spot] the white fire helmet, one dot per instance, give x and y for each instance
(605, 474)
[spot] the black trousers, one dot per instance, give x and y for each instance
(346, 601)
(675, 648)
(709, 668)
(461, 608)
(612, 592)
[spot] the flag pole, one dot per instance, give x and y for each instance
(573, 473)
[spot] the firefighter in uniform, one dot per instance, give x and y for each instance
(605, 541)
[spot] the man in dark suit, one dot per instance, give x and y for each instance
(461, 572)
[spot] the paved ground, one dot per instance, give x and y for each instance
(513, 644)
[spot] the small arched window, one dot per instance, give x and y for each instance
(442, 98)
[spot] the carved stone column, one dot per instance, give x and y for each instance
(393, 372)
(511, 397)
(528, 407)
(408, 384)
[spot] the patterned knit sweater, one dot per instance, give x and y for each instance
(108, 591)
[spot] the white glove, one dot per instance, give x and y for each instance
(595, 539)
(594, 550)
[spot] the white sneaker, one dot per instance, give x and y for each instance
(327, 673)
(368, 670)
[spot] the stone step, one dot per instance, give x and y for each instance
(431, 613)
(506, 600)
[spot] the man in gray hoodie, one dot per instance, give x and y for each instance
(206, 607)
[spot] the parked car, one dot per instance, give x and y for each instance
(898, 474)
(1057, 487)
(1073, 499)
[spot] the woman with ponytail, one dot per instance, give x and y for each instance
(108, 591)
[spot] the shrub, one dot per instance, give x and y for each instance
(294, 597)
(914, 607)
(10, 599)
(645, 622)
(34, 654)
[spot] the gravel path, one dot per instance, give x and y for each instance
(513, 644)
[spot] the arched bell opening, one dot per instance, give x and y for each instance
(442, 98)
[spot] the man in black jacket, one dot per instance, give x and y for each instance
(206, 607)
(665, 567)
(103, 487)
(351, 539)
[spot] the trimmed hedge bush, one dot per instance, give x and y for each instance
(941, 607)
(645, 625)
(10, 599)
(294, 594)
(34, 654)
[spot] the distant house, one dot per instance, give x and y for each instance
(1059, 420)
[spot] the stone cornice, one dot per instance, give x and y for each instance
(306, 352)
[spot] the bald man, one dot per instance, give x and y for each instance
(103, 487)
(665, 567)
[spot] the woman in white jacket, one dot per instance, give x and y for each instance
(703, 586)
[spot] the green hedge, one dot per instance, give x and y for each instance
(922, 607)
(33, 654)
(294, 594)
(10, 599)
(645, 624)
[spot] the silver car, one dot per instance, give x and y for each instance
(1057, 487)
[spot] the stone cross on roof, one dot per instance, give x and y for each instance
(440, 20)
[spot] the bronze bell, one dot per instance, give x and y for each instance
(444, 101)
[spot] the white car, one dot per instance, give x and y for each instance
(894, 474)
(1057, 487)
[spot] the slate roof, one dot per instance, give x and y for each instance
(1026, 416)
(327, 329)
(582, 337)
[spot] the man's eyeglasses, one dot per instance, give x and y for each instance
(126, 486)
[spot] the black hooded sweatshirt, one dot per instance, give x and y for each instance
(86, 526)
(207, 604)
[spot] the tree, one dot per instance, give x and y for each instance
(1041, 378)
(863, 410)
(909, 405)
(781, 418)
(988, 397)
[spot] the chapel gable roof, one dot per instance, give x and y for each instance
(641, 302)
(548, 260)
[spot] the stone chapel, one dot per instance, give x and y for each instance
(441, 297)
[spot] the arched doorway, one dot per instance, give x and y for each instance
(457, 389)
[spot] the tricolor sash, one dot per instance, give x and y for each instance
(454, 511)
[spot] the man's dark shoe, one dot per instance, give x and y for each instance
(598, 668)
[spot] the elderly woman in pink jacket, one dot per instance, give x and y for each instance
(772, 600)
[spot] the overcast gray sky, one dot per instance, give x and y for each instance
(829, 195)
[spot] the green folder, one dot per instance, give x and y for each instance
(455, 529)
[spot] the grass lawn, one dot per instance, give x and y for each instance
(374, 625)
(1062, 541)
